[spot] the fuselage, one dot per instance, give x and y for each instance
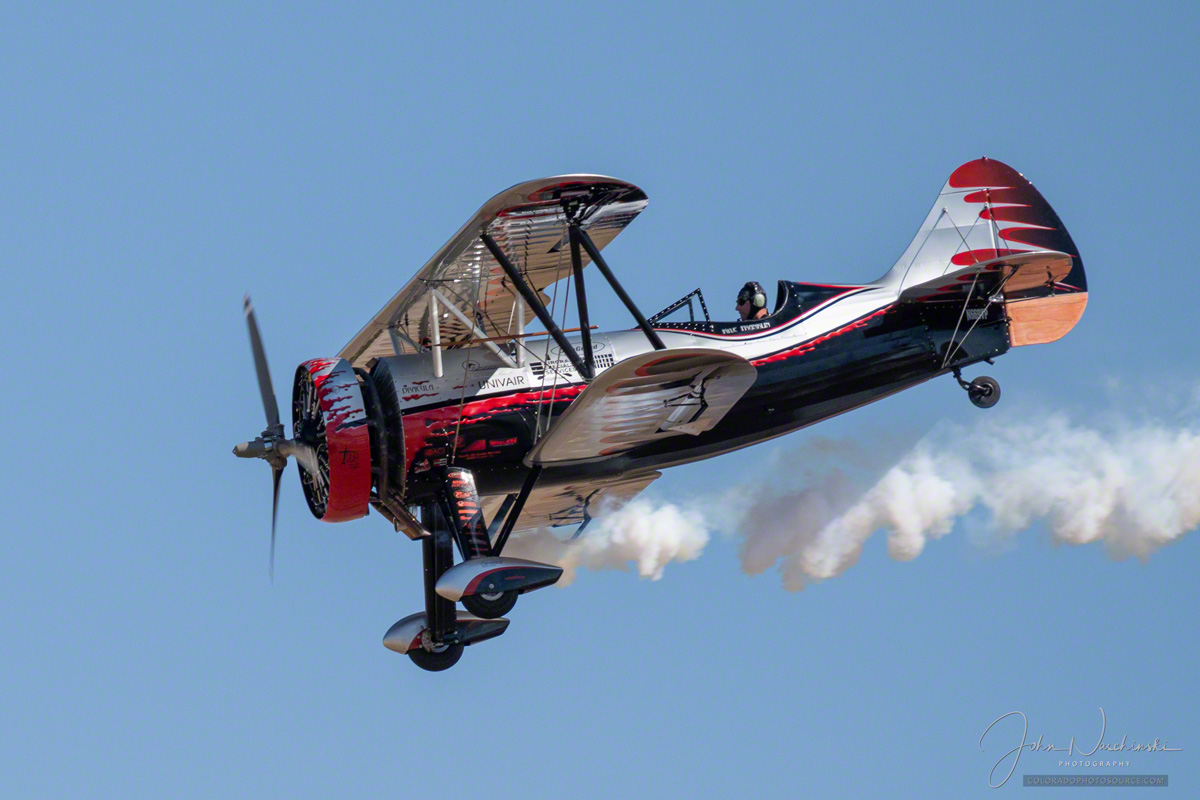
(825, 350)
(441, 403)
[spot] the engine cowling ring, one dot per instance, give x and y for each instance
(329, 415)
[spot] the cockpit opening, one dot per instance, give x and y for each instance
(791, 301)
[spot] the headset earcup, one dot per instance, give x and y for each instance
(759, 300)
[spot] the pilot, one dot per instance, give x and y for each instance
(752, 301)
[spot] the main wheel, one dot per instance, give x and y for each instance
(984, 391)
(490, 606)
(444, 657)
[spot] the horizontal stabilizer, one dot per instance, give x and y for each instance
(645, 398)
(1017, 272)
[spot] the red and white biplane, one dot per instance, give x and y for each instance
(460, 427)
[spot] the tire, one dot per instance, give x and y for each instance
(984, 391)
(436, 661)
(490, 606)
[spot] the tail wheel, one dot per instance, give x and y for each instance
(443, 656)
(490, 606)
(984, 391)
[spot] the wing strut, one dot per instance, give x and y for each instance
(399, 338)
(534, 302)
(474, 329)
(517, 507)
(501, 513)
(578, 237)
(435, 334)
(585, 332)
(586, 240)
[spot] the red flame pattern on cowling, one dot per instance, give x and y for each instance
(347, 438)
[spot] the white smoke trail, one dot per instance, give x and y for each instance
(646, 534)
(1132, 489)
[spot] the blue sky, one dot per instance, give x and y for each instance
(160, 161)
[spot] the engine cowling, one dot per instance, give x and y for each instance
(330, 415)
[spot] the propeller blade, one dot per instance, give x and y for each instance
(305, 455)
(276, 474)
(260, 367)
(307, 458)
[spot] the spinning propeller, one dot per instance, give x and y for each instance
(272, 446)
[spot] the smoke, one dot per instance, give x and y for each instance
(1133, 489)
(648, 535)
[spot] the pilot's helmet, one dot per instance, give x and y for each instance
(753, 292)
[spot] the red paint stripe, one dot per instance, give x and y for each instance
(811, 345)
(1025, 195)
(969, 257)
(985, 172)
(1025, 214)
(474, 584)
(1042, 238)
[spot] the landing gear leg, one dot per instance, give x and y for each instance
(435, 637)
(440, 648)
(460, 503)
(984, 391)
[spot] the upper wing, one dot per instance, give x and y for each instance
(647, 397)
(1018, 272)
(529, 222)
(572, 504)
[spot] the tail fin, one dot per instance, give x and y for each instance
(985, 211)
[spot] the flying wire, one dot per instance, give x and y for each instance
(462, 397)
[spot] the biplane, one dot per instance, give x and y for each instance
(460, 427)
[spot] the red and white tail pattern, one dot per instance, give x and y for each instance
(986, 210)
